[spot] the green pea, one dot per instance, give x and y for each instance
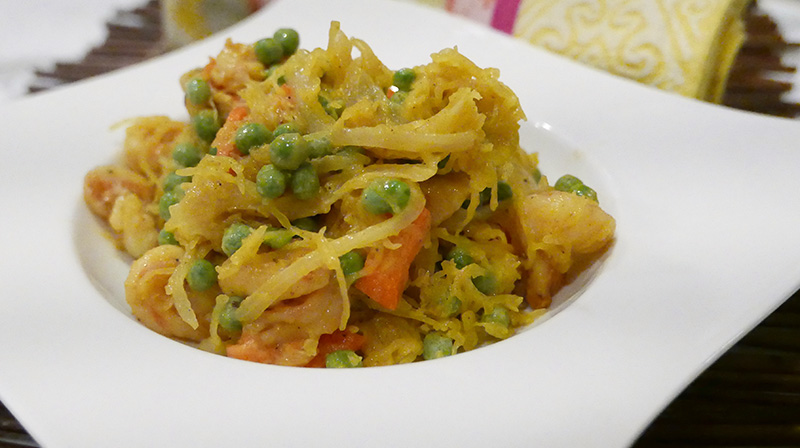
(504, 191)
(187, 154)
(227, 317)
(447, 306)
(288, 39)
(270, 181)
(305, 182)
(268, 72)
(436, 345)
(197, 91)
(374, 203)
(537, 175)
(398, 97)
(172, 180)
(568, 183)
(443, 163)
(334, 109)
(497, 315)
(343, 359)
(309, 223)
(250, 135)
(166, 238)
(201, 275)
(403, 78)
(323, 101)
(318, 146)
(268, 51)
(386, 196)
(351, 262)
(571, 184)
(460, 257)
(288, 151)
(206, 125)
(213, 150)
(167, 200)
(285, 128)
(587, 192)
(277, 238)
(233, 236)
(486, 283)
(483, 198)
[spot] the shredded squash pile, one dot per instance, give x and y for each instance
(407, 224)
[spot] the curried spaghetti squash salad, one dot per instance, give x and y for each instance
(320, 209)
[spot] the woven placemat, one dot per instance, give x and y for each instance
(749, 397)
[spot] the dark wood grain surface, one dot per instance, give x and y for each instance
(750, 397)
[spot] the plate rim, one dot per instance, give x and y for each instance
(632, 425)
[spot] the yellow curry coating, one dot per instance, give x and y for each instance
(321, 209)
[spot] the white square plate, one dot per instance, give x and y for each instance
(708, 243)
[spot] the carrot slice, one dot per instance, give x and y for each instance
(224, 141)
(388, 268)
(338, 340)
(206, 73)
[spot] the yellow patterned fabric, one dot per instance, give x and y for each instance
(683, 46)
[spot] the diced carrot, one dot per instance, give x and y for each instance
(209, 68)
(388, 268)
(338, 340)
(224, 140)
(238, 113)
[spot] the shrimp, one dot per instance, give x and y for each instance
(149, 142)
(288, 333)
(229, 73)
(102, 186)
(245, 278)
(568, 220)
(145, 292)
(557, 227)
(136, 227)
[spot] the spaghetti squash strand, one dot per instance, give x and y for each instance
(175, 286)
(272, 289)
(417, 174)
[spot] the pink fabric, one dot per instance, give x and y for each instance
(505, 14)
(480, 11)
